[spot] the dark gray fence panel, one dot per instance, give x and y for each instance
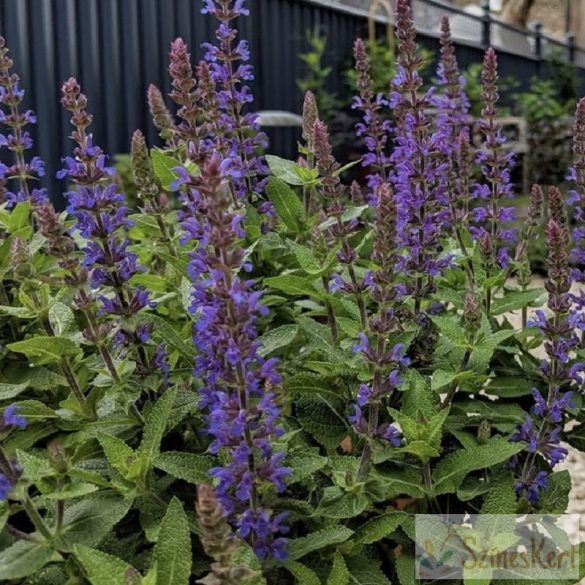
(116, 48)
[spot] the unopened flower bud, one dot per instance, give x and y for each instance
(57, 457)
(20, 259)
(472, 311)
(484, 432)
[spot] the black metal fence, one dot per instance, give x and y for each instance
(117, 47)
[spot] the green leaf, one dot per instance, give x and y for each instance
(287, 204)
(290, 172)
(8, 391)
(378, 528)
(501, 498)
(304, 464)
(154, 429)
(163, 165)
(555, 500)
(90, 520)
(45, 349)
(294, 285)
(339, 504)
(186, 466)
(364, 571)
(34, 468)
(299, 547)
(61, 318)
(405, 569)
(309, 384)
(119, 455)
(339, 572)
(104, 569)
(23, 558)
(452, 469)
(19, 217)
(303, 574)
(277, 338)
(173, 548)
(515, 300)
(450, 327)
(321, 419)
(166, 332)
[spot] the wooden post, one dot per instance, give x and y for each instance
(388, 9)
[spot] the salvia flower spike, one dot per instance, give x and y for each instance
(419, 169)
(20, 179)
(239, 386)
(491, 216)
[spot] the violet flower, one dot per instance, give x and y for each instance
(453, 127)
(372, 127)
(17, 140)
(419, 168)
(333, 193)
(577, 198)
(102, 219)
(237, 383)
(9, 470)
(541, 431)
(386, 361)
(490, 216)
(231, 72)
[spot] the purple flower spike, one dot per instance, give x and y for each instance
(495, 164)
(17, 180)
(238, 384)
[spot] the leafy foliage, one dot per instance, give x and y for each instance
(386, 392)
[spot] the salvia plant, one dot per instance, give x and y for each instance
(257, 373)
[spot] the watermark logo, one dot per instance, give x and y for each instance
(491, 546)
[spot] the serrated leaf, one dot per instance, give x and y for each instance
(119, 455)
(321, 420)
(405, 569)
(23, 558)
(450, 327)
(104, 569)
(309, 384)
(452, 469)
(277, 338)
(44, 349)
(555, 499)
(61, 318)
(9, 391)
(338, 504)
(501, 498)
(299, 547)
(304, 464)
(514, 300)
(173, 548)
(90, 520)
(339, 572)
(289, 207)
(34, 468)
(154, 429)
(289, 171)
(294, 285)
(164, 165)
(189, 467)
(378, 528)
(363, 571)
(302, 574)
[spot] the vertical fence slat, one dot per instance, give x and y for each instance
(117, 47)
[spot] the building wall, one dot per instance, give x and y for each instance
(550, 12)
